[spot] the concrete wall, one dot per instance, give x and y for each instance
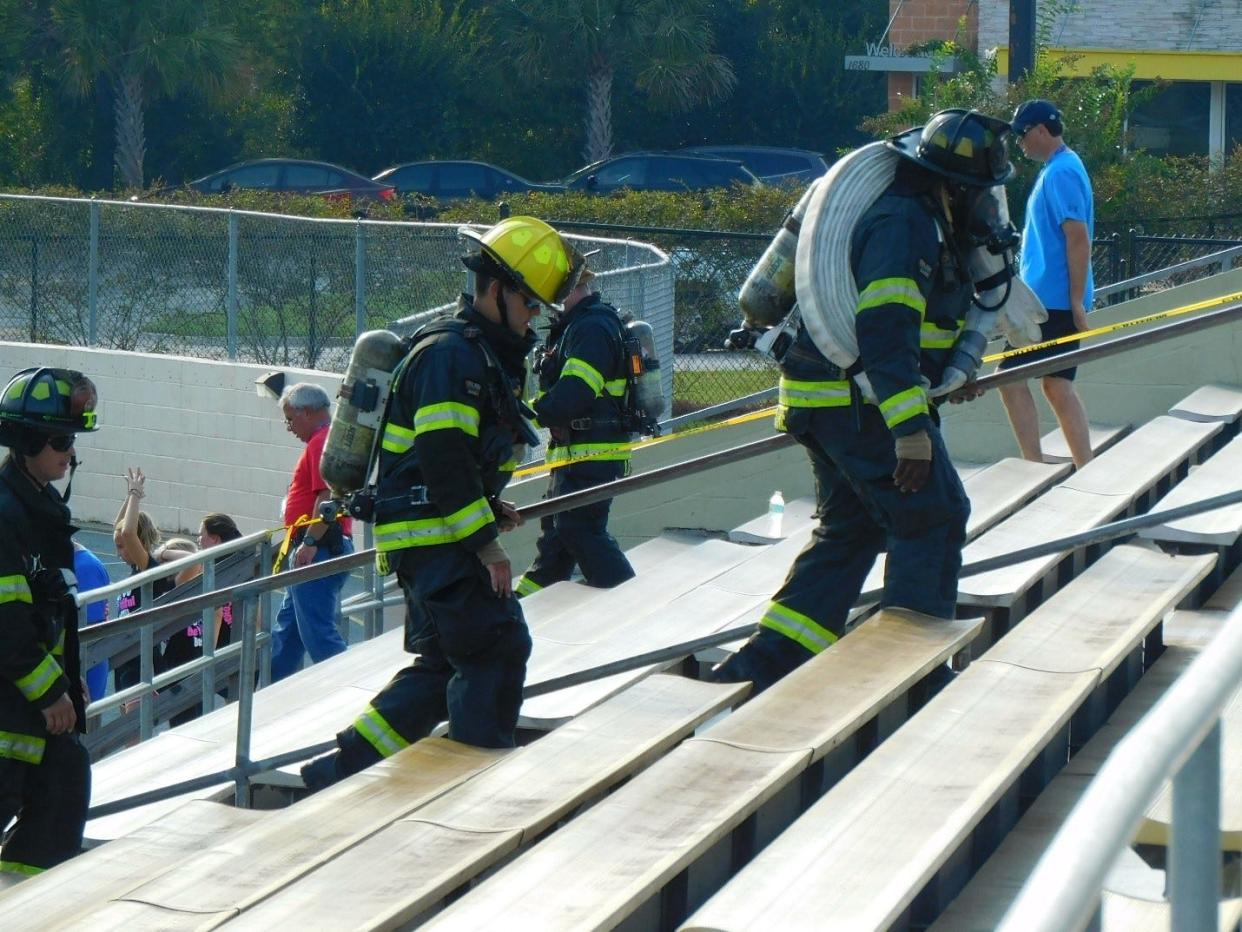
(208, 443)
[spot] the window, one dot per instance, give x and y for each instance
(251, 176)
(461, 179)
(411, 178)
(309, 176)
(1174, 121)
(623, 173)
(1233, 116)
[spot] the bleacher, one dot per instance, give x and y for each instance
(843, 797)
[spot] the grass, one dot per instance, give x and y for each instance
(701, 389)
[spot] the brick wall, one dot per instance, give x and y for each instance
(923, 20)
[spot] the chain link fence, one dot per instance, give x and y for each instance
(291, 291)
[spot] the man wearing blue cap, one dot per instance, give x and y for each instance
(1056, 264)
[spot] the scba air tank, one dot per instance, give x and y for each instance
(359, 415)
(767, 295)
(645, 367)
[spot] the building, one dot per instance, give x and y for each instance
(1196, 45)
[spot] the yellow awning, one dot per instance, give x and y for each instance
(1148, 63)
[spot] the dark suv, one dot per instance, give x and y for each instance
(769, 164)
(659, 171)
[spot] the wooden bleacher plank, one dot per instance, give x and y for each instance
(58, 897)
(663, 819)
(319, 717)
(867, 849)
(1155, 828)
(293, 875)
(1210, 403)
(799, 517)
(1138, 460)
(989, 894)
(1218, 475)
(1102, 436)
(1196, 628)
(1106, 613)
(1121, 913)
(1056, 513)
(863, 852)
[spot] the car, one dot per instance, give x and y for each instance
(659, 171)
(447, 180)
(293, 176)
(771, 165)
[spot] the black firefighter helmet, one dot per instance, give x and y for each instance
(964, 146)
(46, 401)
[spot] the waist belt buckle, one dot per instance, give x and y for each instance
(418, 495)
(580, 423)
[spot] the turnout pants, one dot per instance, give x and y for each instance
(472, 649)
(580, 536)
(861, 513)
(49, 801)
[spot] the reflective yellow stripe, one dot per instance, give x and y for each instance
(903, 406)
(424, 532)
(580, 368)
(25, 748)
(445, 415)
(559, 456)
(397, 439)
(932, 337)
(378, 733)
(39, 680)
(16, 867)
(526, 585)
(797, 627)
(508, 465)
(827, 394)
(59, 649)
(892, 291)
(615, 387)
(14, 589)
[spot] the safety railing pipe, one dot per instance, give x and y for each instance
(1062, 891)
(92, 278)
(267, 615)
(245, 699)
(1194, 848)
(207, 626)
(146, 671)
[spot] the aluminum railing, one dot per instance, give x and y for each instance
(1179, 739)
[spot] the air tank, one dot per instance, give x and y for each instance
(649, 393)
(767, 295)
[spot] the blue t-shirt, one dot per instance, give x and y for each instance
(1062, 192)
(92, 575)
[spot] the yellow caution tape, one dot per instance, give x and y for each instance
(1112, 328)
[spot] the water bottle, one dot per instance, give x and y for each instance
(776, 514)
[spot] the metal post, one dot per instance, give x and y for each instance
(34, 289)
(360, 279)
(92, 279)
(1194, 849)
(146, 671)
(208, 623)
(231, 300)
(375, 582)
(1021, 39)
(245, 700)
(267, 615)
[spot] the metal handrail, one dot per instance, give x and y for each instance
(1178, 738)
(1215, 258)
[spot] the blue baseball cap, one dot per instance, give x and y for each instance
(1032, 113)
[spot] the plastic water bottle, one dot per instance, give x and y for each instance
(776, 514)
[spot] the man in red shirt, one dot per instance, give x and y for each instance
(307, 620)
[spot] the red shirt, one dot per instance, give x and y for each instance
(308, 483)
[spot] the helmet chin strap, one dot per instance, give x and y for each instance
(73, 467)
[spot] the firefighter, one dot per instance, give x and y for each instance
(883, 477)
(44, 769)
(448, 448)
(581, 400)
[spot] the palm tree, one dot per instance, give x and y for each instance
(142, 48)
(667, 42)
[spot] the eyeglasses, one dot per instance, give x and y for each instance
(1022, 134)
(62, 443)
(530, 302)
